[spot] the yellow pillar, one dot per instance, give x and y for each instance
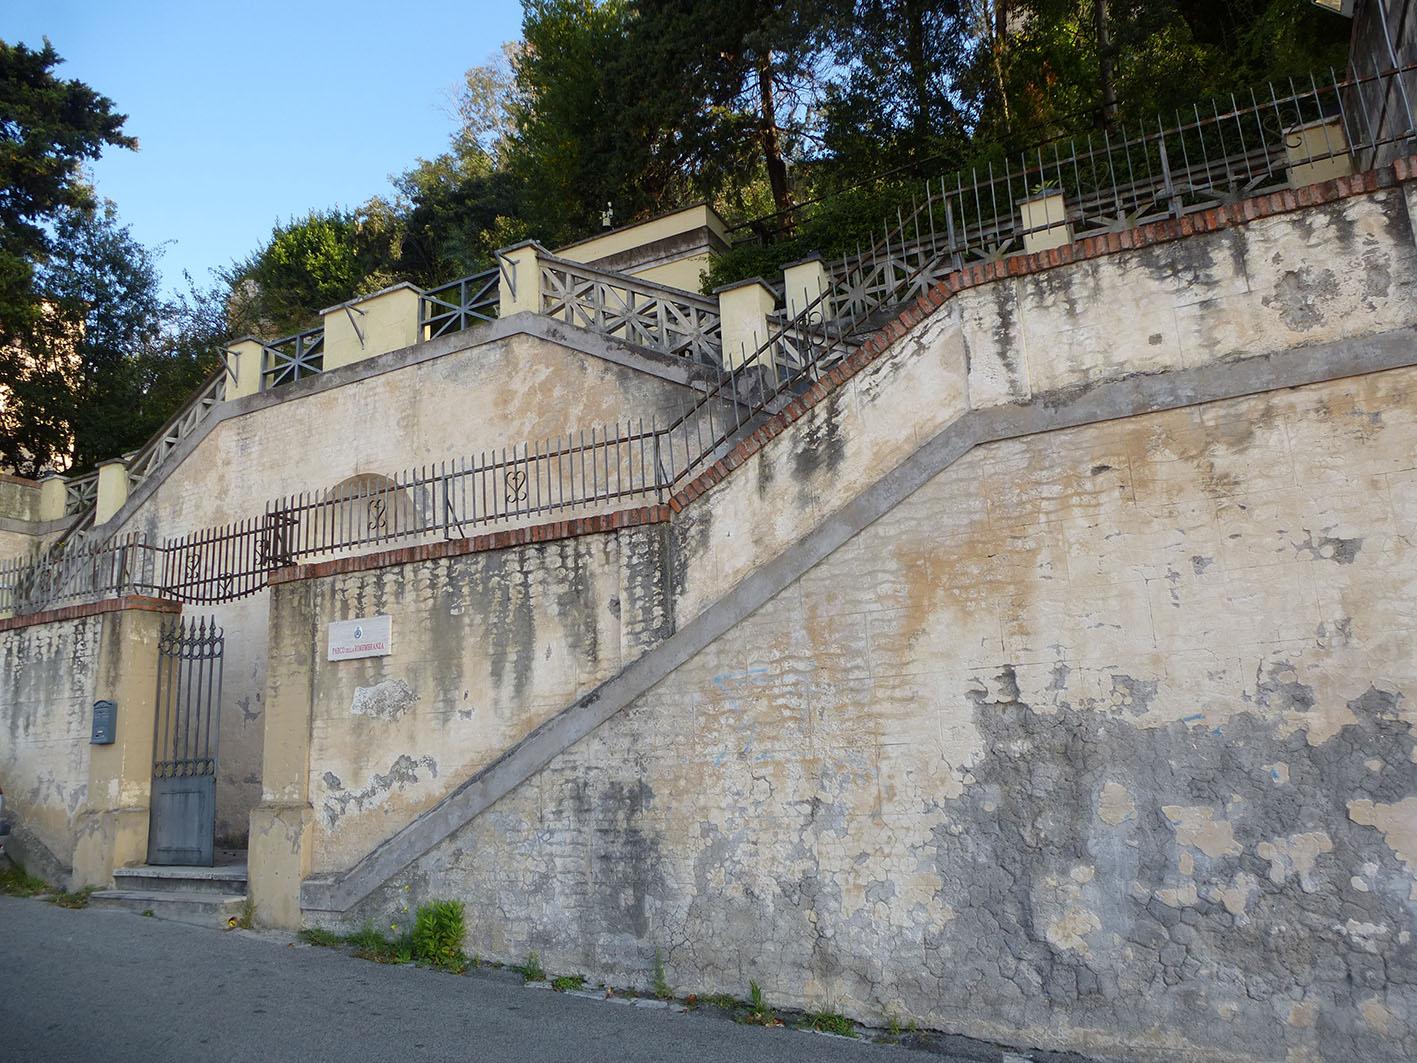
(113, 825)
(373, 324)
(1317, 151)
(52, 497)
(743, 310)
(1045, 216)
(804, 283)
(112, 489)
(244, 360)
(279, 856)
(519, 286)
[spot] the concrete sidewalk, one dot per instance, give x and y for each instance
(105, 985)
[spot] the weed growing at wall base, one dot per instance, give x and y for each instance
(661, 983)
(15, 881)
(568, 981)
(75, 899)
(439, 944)
(532, 970)
(438, 935)
(830, 1022)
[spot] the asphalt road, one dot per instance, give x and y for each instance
(101, 986)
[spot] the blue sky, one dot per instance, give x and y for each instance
(254, 111)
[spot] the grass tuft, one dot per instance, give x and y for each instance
(74, 899)
(15, 881)
(831, 1022)
(532, 971)
(567, 981)
(314, 935)
(661, 983)
(759, 1014)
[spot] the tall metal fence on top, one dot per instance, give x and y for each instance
(1231, 147)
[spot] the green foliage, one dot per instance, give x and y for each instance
(315, 262)
(431, 942)
(15, 881)
(318, 936)
(567, 981)
(720, 1000)
(74, 899)
(759, 1014)
(48, 127)
(438, 935)
(661, 983)
(575, 145)
(247, 918)
(366, 937)
(830, 1022)
(532, 971)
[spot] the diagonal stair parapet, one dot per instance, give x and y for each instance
(945, 376)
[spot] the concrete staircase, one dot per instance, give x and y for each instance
(205, 896)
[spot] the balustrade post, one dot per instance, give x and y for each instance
(519, 283)
(372, 324)
(53, 497)
(743, 310)
(112, 489)
(244, 360)
(804, 283)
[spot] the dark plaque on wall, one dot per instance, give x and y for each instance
(105, 723)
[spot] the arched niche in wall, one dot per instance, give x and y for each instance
(369, 508)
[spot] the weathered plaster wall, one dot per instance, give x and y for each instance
(1276, 286)
(913, 782)
(1322, 274)
(1103, 739)
(19, 498)
(486, 647)
(507, 391)
(48, 678)
(19, 506)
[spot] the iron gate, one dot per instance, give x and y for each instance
(186, 727)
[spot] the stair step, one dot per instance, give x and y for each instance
(203, 909)
(222, 879)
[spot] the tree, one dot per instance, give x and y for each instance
(48, 127)
(736, 85)
(313, 263)
(579, 141)
(898, 100)
(74, 390)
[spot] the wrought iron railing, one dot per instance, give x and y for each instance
(178, 427)
(637, 311)
(80, 493)
(459, 305)
(292, 358)
(1230, 148)
(611, 465)
(126, 565)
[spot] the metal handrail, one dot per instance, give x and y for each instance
(651, 315)
(292, 358)
(477, 299)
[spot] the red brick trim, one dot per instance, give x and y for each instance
(1230, 215)
(498, 540)
(137, 603)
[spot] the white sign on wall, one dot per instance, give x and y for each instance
(367, 636)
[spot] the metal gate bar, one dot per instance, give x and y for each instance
(186, 732)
